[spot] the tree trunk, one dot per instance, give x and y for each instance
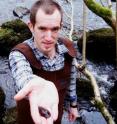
(97, 100)
(97, 97)
(103, 12)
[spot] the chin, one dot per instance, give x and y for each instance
(47, 49)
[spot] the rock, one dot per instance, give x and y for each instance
(20, 12)
(113, 0)
(92, 117)
(112, 75)
(100, 45)
(2, 108)
(84, 89)
(113, 99)
(12, 33)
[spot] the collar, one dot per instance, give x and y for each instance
(60, 48)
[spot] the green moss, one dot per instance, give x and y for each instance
(12, 33)
(101, 32)
(100, 45)
(19, 27)
(7, 35)
(16, 25)
(10, 116)
(8, 39)
(99, 105)
(98, 8)
(99, 35)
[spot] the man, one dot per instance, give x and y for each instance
(41, 67)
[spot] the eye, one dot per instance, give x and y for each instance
(42, 28)
(56, 29)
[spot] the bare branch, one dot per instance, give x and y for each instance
(109, 4)
(72, 25)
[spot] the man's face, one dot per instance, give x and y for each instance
(46, 30)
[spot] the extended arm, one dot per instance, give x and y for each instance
(35, 88)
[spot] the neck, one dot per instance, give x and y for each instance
(51, 54)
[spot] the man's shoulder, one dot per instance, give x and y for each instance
(65, 40)
(69, 45)
(29, 42)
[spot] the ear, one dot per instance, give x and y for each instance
(31, 27)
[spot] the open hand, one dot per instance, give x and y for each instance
(41, 93)
(73, 114)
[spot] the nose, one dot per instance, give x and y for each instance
(48, 35)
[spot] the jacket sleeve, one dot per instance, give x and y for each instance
(20, 68)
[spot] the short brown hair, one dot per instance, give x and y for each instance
(48, 6)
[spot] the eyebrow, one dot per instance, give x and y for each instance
(43, 27)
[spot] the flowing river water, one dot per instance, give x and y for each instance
(89, 114)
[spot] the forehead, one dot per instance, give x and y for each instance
(44, 19)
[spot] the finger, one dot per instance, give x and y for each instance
(50, 120)
(34, 111)
(23, 92)
(73, 118)
(70, 117)
(55, 111)
(43, 120)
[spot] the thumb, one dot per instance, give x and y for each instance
(55, 111)
(23, 92)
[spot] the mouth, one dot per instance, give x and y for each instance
(47, 44)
